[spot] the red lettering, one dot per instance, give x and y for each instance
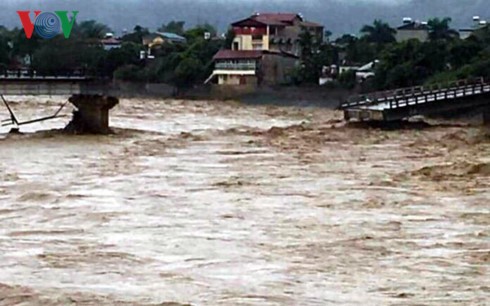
(27, 22)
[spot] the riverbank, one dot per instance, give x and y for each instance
(277, 95)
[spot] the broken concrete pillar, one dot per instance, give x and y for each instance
(92, 114)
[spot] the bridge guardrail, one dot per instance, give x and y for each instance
(26, 73)
(409, 92)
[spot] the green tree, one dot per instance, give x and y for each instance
(482, 36)
(327, 34)
(128, 54)
(91, 29)
(463, 51)
(132, 73)
(187, 72)
(346, 40)
(439, 29)
(137, 36)
(379, 33)
(314, 56)
(61, 55)
(176, 27)
(229, 38)
(198, 31)
(357, 51)
(411, 63)
(5, 48)
(22, 46)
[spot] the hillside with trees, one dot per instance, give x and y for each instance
(443, 58)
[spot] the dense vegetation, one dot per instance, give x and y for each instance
(444, 57)
(178, 64)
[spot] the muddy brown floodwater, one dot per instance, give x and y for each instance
(213, 203)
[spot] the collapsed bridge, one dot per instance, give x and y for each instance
(408, 102)
(92, 97)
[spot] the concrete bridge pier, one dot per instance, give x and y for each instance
(92, 114)
(486, 117)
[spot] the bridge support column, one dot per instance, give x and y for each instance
(486, 117)
(92, 114)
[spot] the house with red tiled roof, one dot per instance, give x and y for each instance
(252, 68)
(264, 51)
(273, 32)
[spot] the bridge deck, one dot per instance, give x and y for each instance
(403, 103)
(52, 86)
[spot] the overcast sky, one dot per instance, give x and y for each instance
(339, 16)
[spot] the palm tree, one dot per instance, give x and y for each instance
(91, 29)
(176, 27)
(380, 32)
(439, 29)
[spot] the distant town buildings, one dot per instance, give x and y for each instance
(478, 23)
(419, 30)
(264, 51)
(110, 42)
(159, 38)
(412, 30)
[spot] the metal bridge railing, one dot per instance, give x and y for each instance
(393, 97)
(7, 74)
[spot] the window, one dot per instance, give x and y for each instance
(236, 46)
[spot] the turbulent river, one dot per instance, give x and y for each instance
(214, 203)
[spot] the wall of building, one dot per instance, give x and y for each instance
(242, 80)
(275, 69)
(403, 35)
(292, 33)
(284, 47)
(230, 91)
(465, 34)
(245, 42)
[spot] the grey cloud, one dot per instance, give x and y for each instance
(339, 16)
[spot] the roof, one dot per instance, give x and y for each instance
(171, 36)
(111, 41)
(248, 54)
(414, 26)
(369, 66)
(151, 36)
(165, 35)
(277, 19)
(311, 24)
(237, 54)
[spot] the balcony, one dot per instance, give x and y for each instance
(236, 66)
(257, 38)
